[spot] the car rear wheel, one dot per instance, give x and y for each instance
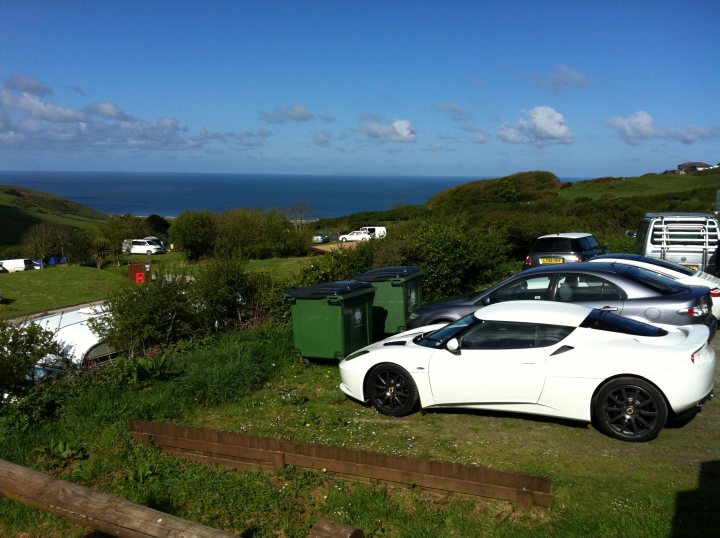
(343, 240)
(391, 390)
(630, 409)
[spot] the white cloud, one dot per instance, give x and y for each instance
(108, 110)
(454, 110)
(397, 131)
(291, 113)
(29, 120)
(541, 126)
(322, 138)
(30, 85)
(562, 76)
(641, 126)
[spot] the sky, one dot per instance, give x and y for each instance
(466, 88)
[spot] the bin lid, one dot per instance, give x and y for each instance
(319, 291)
(388, 273)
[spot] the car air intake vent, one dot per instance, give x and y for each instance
(562, 349)
(396, 343)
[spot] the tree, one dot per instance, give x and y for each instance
(194, 232)
(118, 228)
(99, 251)
(41, 240)
(158, 226)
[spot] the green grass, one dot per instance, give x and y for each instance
(655, 184)
(29, 292)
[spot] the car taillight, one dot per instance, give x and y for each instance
(578, 258)
(715, 292)
(695, 311)
(528, 260)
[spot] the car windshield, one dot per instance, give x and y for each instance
(607, 321)
(553, 244)
(439, 337)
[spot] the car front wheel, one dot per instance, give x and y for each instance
(343, 240)
(391, 390)
(630, 409)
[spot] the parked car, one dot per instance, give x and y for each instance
(147, 246)
(321, 237)
(16, 265)
(689, 239)
(680, 273)
(357, 235)
(542, 358)
(630, 291)
(563, 248)
(375, 231)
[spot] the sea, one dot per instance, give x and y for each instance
(170, 194)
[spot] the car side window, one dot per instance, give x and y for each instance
(534, 288)
(513, 335)
(501, 335)
(577, 287)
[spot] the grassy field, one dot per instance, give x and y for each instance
(657, 184)
(601, 487)
(32, 292)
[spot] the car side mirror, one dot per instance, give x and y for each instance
(486, 301)
(453, 345)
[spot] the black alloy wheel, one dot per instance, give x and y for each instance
(630, 409)
(391, 390)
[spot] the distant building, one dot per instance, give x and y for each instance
(685, 168)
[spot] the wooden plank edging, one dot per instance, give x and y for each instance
(236, 450)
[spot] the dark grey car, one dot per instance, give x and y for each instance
(626, 290)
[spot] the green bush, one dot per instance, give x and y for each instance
(22, 345)
(195, 233)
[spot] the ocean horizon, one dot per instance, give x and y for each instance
(170, 194)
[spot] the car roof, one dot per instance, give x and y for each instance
(71, 328)
(597, 267)
(639, 258)
(547, 312)
(569, 235)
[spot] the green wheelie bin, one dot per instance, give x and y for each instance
(331, 320)
(398, 292)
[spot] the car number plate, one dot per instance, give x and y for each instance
(551, 260)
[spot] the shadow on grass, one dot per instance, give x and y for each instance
(697, 512)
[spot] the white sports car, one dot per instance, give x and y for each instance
(544, 358)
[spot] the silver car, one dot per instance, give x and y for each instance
(630, 291)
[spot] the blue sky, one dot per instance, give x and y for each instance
(439, 88)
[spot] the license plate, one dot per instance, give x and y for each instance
(551, 260)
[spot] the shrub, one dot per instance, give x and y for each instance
(144, 317)
(21, 347)
(194, 232)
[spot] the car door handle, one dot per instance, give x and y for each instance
(610, 308)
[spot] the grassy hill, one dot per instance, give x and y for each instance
(21, 208)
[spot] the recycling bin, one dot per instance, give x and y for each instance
(398, 293)
(331, 320)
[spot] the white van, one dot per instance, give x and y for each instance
(689, 239)
(376, 232)
(13, 266)
(147, 246)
